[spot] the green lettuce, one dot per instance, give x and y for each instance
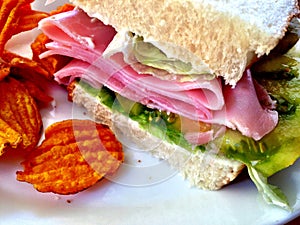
(152, 59)
(149, 55)
(279, 149)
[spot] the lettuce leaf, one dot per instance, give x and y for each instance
(280, 148)
(270, 193)
(152, 59)
(149, 55)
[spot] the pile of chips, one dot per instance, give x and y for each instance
(75, 153)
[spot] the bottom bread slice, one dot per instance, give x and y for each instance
(204, 170)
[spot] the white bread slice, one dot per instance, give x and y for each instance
(203, 170)
(223, 34)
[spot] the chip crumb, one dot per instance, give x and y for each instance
(56, 198)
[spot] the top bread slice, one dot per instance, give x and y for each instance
(225, 35)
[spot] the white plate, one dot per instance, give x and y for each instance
(170, 201)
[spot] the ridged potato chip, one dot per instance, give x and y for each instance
(75, 155)
(20, 112)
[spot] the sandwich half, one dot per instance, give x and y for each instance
(186, 81)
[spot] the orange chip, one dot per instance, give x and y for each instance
(29, 20)
(52, 63)
(30, 73)
(74, 155)
(64, 8)
(8, 137)
(24, 66)
(19, 110)
(36, 92)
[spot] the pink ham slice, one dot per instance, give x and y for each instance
(135, 90)
(244, 110)
(76, 35)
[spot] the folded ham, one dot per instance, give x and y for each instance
(76, 35)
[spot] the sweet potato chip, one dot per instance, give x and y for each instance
(52, 63)
(36, 92)
(19, 110)
(8, 136)
(30, 73)
(23, 66)
(63, 8)
(29, 20)
(74, 155)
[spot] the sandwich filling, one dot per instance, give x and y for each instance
(251, 122)
(204, 98)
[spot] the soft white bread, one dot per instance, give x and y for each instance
(223, 34)
(203, 170)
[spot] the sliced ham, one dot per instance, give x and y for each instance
(244, 110)
(77, 29)
(135, 91)
(200, 100)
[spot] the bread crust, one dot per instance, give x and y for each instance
(203, 170)
(225, 35)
